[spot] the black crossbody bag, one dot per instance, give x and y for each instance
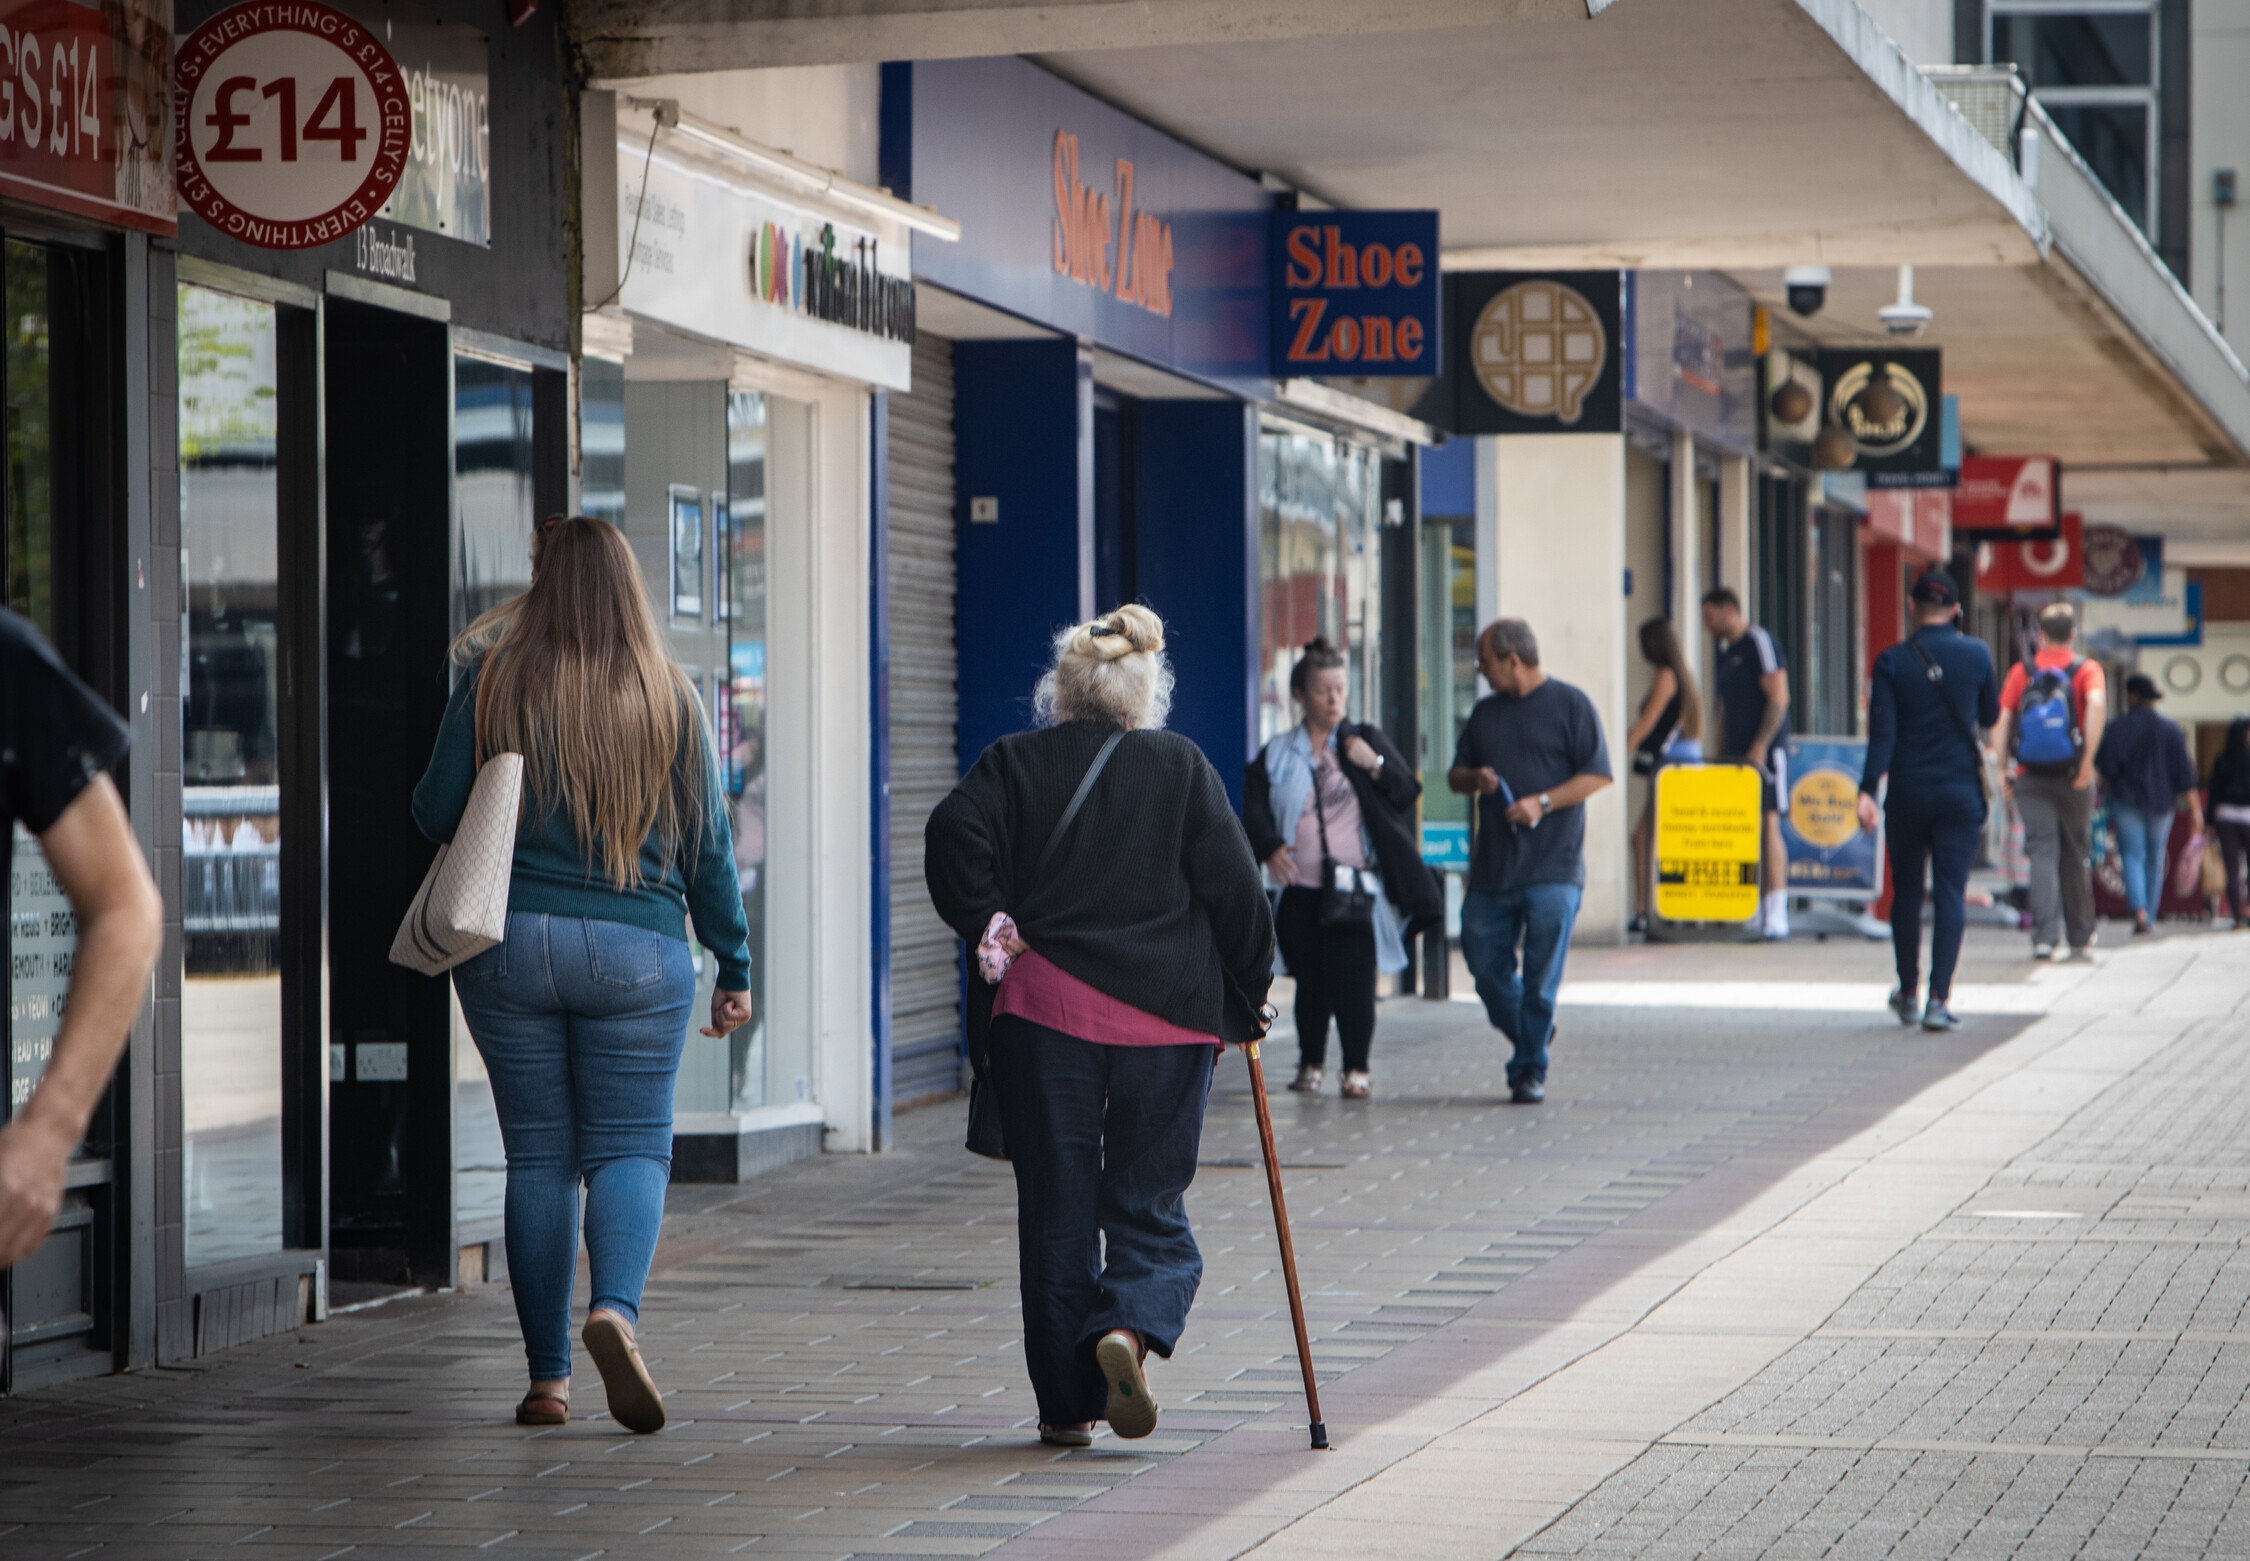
(984, 1136)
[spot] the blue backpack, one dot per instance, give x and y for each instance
(2049, 739)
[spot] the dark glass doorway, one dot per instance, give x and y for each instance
(1117, 575)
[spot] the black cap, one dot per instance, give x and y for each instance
(1936, 588)
(2141, 686)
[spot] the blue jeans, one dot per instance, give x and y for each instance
(1521, 1007)
(2143, 841)
(581, 1025)
(1939, 835)
(1104, 1141)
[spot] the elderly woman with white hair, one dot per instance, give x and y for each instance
(1099, 871)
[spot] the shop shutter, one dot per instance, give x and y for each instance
(925, 955)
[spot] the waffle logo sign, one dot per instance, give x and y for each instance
(1532, 353)
(1084, 232)
(1355, 293)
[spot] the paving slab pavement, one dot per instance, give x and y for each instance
(1518, 1314)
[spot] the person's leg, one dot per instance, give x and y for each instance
(1350, 957)
(1151, 1129)
(1640, 854)
(2234, 850)
(2074, 873)
(2154, 865)
(1296, 927)
(524, 1040)
(1907, 840)
(1050, 1088)
(2042, 847)
(630, 993)
(1550, 910)
(1490, 926)
(2132, 848)
(1953, 851)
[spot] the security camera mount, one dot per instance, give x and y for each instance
(1905, 317)
(1807, 287)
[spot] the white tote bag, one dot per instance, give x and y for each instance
(462, 907)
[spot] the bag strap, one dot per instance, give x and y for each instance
(1936, 674)
(1078, 799)
(1320, 813)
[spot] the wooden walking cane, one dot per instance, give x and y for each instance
(1288, 1249)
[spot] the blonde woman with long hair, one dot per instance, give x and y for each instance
(1107, 941)
(582, 1012)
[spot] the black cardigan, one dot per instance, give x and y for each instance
(1152, 897)
(1386, 806)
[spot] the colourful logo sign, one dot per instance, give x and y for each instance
(1829, 854)
(1355, 293)
(293, 123)
(84, 107)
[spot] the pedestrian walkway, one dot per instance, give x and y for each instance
(1766, 1272)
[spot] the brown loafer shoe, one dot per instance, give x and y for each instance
(543, 1409)
(634, 1402)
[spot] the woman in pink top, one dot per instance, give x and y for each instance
(1118, 945)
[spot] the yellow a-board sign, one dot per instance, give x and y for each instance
(1707, 838)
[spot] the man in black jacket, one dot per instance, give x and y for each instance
(1923, 696)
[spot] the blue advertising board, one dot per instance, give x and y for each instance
(1080, 217)
(1445, 844)
(1829, 854)
(1355, 293)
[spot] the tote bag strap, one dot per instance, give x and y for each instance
(1078, 799)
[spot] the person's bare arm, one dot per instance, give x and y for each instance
(2097, 719)
(120, 926)
(1575, 790)
(2003, 739)
(1480, 781)
(1775, 686)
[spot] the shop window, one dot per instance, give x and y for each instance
(1319, 564)
(601, 440)
(231, 1000)
(741, 713)
(2094, 70)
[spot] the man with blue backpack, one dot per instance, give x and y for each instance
(2051, 717)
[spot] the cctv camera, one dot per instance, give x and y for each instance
(1904, 317)
(1807, 287)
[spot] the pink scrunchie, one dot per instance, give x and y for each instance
(999, 946)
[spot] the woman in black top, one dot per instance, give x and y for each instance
(1117, 952)
(1668, 729)
(2230, 812)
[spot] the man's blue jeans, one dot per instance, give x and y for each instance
(2143, 841)
(581, 1025)
(1521, 1007)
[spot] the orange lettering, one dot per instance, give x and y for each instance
(1343, 260)
(1408, 267)
(1343, 339)
(1065, 150)
(1409, 340)
(1375, 266)
(1308, 313)
(1304, 250)
(1376, 328)
(1128, 285)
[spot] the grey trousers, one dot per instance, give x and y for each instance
(2057, 824)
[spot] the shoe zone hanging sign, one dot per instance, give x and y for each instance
(1355, 293)
(293, 124)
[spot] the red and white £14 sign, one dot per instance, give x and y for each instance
(293, 123)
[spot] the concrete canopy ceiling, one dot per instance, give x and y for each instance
(1659, 133)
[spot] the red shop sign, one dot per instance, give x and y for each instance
(2008, 495)
(2057, 565)
(84, 101)
(293, 123)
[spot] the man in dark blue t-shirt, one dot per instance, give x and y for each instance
(1532, 753)
(1750, 681)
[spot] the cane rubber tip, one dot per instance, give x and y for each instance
(1320, 1438)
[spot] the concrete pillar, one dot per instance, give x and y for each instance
(1557, 517)
(1736, 567)
(1688, 565)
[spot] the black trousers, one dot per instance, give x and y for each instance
(1334, 969)
(1938, 835)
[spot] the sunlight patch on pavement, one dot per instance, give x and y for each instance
(2033, 996)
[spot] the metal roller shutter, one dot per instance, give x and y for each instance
(925, 955)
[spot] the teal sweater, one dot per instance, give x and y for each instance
(556, 876)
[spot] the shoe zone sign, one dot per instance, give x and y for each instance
(1355, 293)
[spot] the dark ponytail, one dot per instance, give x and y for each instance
(1319, 655)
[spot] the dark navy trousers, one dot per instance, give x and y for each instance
(1937, 834)
(1104, 1140)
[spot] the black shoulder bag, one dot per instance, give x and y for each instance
(985, 1137)
(1936, 674)
(1347, 896)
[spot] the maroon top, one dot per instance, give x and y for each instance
(1045, 994)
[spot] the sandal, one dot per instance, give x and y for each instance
(634, 1402)
(1358, 1084)
(1132, 1412)
(1307, 1081)
(1066, 1436)
(543, 1409)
